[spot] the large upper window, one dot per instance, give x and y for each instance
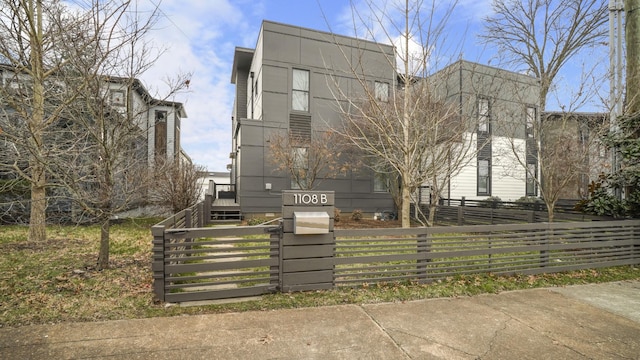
(483, 115)
(300, 90)
(381, 91)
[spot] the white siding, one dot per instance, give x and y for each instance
(507, 175)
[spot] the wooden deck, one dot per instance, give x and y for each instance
(226, 203)
(225, 210)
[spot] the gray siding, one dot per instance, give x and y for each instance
(282, 49)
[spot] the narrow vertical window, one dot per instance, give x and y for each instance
(532, 175)
(160, 132)
(484, 177)
(300, 90)
(530, 121)
(483, 115)
(381, 91)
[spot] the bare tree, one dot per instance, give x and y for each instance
(439, 145)
(543, 35)
(396, 118)
(175, 184)
(310, 159)
(558, 150)
(61, 112)
(109, 122)
(51, 54)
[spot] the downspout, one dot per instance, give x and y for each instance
(460, 114)
(252, 91)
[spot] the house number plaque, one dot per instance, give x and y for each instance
(310, 199)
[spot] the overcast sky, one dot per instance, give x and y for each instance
(201, 36)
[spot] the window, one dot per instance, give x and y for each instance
(483, 115)
(530, 121)
(300, 90)
(161, 116)
(116, 97)
(532, 175)
(381, 183)
(300, 167)
(484, 177)
(160, 132)
(381, 91)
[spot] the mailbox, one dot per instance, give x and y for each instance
(310, 222)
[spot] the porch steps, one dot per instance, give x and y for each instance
(225, 210)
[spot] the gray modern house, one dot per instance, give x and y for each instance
(286, 84)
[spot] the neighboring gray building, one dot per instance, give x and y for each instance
(501, 108)
(286, 82)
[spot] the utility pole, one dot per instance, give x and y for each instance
(616, 15)
(632, 39)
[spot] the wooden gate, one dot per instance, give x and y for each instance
(215, 263)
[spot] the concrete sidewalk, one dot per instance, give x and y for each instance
(579, 322)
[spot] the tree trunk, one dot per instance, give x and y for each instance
(103, 255)
(37, 220)
(551, 209)
(37, 216)
(632, 34)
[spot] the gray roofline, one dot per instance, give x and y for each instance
(242, 58)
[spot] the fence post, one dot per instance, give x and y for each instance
(207, 209)
(188, 223)
(157, 265)
(200, 214)
(424, 248)
(461, 214)
(187, 218)
(544, 254)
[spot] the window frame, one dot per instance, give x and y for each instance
(381, 183)
(483, 115)
(531, 186)
(486, 178)
(381, 90)
(122, 94)
(305, 92)
(530, 121)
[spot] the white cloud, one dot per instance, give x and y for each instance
(196, 39)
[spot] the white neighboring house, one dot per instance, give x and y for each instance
(161, 118)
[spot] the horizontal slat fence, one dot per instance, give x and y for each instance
(236, 261)
(426, 254)
(471, 215)
(217, 263)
